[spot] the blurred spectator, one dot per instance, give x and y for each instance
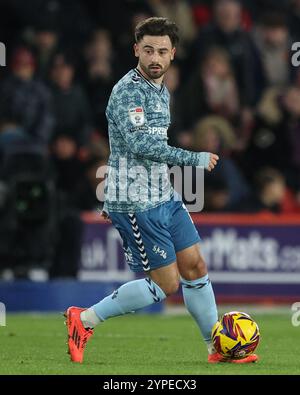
(88, 189)
(213, 88)
(220, 85)
(100, 75)
(10, 25)
(70, 104)
(216, 195)
(68, 168)
(274, 44)
(276, 136)
(271, 194)
(76, 185)
(262, 7)
(68, 172)
(180, 12)
(202, 12)
(127, 40)
(291, 108)
(294, 19)
(226, 32)
(27, 226)
(122, 11)
(26, 98)
(10, 133)
(44, 44)
(69, 18)
(126, 14)
(177, 136)
(215, 134)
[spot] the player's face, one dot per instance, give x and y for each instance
(155, 54)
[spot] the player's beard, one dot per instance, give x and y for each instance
(154, 71)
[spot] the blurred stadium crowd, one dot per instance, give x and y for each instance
(234, 91)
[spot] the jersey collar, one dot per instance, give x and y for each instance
(149, 82)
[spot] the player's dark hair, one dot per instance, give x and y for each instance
(157, 27)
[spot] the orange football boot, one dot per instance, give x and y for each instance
(216, 358)
(78, 335)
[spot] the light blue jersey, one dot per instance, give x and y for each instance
(153, 226)
(138, 117)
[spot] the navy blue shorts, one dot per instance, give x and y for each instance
(151, 238)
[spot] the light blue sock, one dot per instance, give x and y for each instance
(200, 301)
(129, 297)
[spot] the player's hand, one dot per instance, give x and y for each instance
(212, 161)
(105, 216)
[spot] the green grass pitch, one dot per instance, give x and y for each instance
(139, 344)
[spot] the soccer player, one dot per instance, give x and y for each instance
(159, 236)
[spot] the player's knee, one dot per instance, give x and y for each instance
(169, 286)
(167, 278)
(195, 269)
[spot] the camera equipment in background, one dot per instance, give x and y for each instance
(27, 210)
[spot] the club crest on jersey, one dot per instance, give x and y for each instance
(157, 108)
(136, 78)
(136, 116)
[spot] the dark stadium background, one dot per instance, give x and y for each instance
(234, 91)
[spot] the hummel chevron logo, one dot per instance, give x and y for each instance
(152, 290)
(137, 235)
(139, 242)
(146, 267)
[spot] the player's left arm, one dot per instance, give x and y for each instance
(144, 144)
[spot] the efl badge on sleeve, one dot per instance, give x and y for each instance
(136, 116)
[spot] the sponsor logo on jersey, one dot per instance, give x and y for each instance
(157, 130)
(136, 116)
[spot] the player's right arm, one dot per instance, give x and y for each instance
(149, 146)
